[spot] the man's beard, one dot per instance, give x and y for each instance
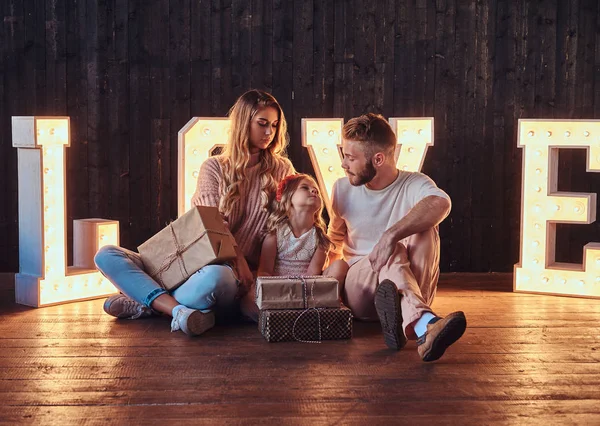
(365, 176)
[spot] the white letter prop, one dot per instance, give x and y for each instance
(197, 140)
(543, 207)
(322, 138)
(44, 278)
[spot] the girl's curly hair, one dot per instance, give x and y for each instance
(283, 205)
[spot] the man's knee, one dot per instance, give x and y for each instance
(360, 296)
(400, 254)
(360, 289)
(426, 240)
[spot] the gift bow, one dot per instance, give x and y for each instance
(307, 309)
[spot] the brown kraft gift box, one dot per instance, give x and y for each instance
(309, 325)
(297, 292)
(196, 239)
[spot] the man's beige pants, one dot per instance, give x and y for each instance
(417, 279)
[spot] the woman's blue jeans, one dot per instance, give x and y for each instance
(212, 286)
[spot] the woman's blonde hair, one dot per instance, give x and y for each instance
(236, 155)
(281, 210)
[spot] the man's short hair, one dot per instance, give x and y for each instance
(373, 131)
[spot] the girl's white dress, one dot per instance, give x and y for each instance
(294, 254)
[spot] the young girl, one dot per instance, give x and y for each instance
(296, 241)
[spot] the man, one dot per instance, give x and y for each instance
(386, 220)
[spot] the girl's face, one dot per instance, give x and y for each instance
(263, 128)
(306, 196)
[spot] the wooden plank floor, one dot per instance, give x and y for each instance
(525, 359)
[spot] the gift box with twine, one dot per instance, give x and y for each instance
(305, 325)
(297, 292)
(196, 239)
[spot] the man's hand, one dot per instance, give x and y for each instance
(426, 214)
(382, 252)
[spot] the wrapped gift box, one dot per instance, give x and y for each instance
(308, 325)
(196, 239)
(297, 292)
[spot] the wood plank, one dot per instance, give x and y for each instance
(76, 157)
(545, 67)
(160, 172)
(445, 80)
(403, 48)
(216, 45)
(343, 52)
(37, 11)
(200, 58)
(17, 68)
(419, 71)
(364, 57)
(261, 70)
(528, 52)
(118, 114)
(180, 72)
(462, 211)
(305, 390)
(97, 67)
(283, 35)
(429, 10)
(385, 16)
(343, 45)
(302, 78)
(222, 94)
(241, 45)
(143, 390)
(323, 59)
(503, 129)
(481, 146)
(300, 412)
(56, 75)
(140, 89)
(161, 191)
(5, 151)
(586, 40)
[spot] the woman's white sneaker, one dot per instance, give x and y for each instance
(192, 322)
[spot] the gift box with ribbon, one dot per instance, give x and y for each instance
(297, 292)
(305, 325)
(196, 239)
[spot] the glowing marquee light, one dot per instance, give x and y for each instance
(543, 207)
(197, 140)
(322, 138)
(44, 278)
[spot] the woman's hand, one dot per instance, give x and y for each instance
(244, 276)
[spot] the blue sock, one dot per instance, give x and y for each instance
(421, 324)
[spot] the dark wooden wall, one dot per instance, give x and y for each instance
(131, 73)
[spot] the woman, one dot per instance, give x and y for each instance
(241, 183)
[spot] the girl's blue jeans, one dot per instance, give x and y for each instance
(210, 287)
